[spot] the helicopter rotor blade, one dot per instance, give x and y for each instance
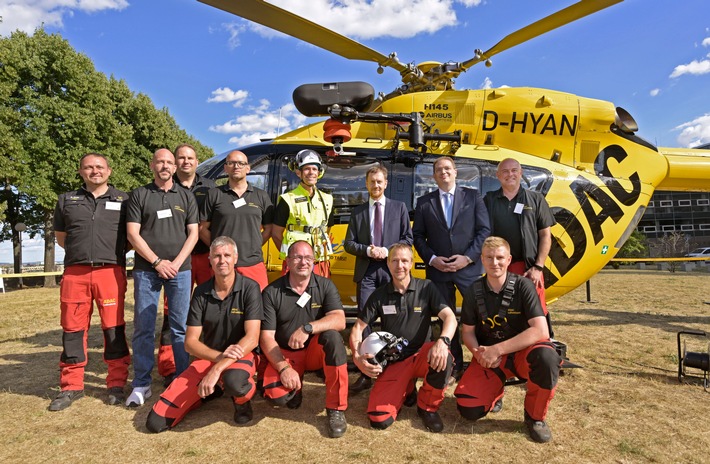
(547, 24)
(288, 23)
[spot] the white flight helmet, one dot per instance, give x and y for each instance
(384, 346)
(306, 157)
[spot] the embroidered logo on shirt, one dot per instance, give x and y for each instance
(300, 199)
(417, 309)
(236, 311)
(179, 208)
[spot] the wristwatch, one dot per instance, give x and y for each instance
(446, 340)
(538, 267)
(308, 328)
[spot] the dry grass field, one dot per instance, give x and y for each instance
(626, 405)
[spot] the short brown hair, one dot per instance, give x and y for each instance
(494, 242)
(397, 247)
(375, 169)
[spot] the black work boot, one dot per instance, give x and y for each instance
(432, 421)
(538, 430)
(243, 414)
(64, 399)
(336, 423)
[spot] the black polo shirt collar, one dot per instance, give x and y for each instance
(226, 189)
(410, 288)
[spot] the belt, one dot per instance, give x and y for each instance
(101, 264)
(306, 229)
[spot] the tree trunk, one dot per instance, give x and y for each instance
(49, 265)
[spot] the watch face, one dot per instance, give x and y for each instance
(308, 328)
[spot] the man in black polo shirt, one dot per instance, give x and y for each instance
(303, 317)
(161, 222)
(240, 211)
(89, 224)
(505, 329)
(226, 313)
(405, 307)
(186, 177)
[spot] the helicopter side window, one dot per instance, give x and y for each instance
(344, 178)
(468, 175)
(532, 179)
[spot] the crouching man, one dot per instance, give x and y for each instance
(226, 312)
(405, 307)
(505, 328)
(303, 317)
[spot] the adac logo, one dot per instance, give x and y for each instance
(236, 311)
(109, 302)
(179, 208)
(75, 198)
(417, 309)
(119, 198)
(315, 306)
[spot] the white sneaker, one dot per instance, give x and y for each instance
(138, 396)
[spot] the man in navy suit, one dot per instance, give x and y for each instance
(450, 225)
(374, 226)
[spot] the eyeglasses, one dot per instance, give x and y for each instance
(307, 259)
(232, 164)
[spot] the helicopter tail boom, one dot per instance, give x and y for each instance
(688, 169)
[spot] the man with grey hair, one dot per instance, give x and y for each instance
(222, 330)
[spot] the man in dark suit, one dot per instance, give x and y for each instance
(450, 225)
(374, 226)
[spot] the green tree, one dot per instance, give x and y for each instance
(55, 107)
(636, 246)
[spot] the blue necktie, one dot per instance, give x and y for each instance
(447, 209)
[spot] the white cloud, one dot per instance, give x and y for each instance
(261, 122)
(28, 15)
(654, 92)
(486, 84)
(695, 132)
(227, 95)
(694, 67)
(367, 19)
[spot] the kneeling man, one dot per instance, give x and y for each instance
(226, 313)
(303, 317)
(405, 307)
(506, 330)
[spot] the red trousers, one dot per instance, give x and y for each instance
(310, 359)
(518, 267)
(321, 268)
(181, 396)
(201, 272)
(81, 286)
(397, 380)
(256, 272)
(480, 388)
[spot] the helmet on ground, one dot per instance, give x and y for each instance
(385, 347)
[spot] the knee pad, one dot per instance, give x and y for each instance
(544, 367)
(333, 347)
(73, 343)
(236, 382)
(440, 379)
(157, 423)
(472, 414)
(115, 346)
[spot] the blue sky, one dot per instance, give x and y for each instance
(229, 83)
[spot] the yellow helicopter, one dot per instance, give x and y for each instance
(582, 154)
